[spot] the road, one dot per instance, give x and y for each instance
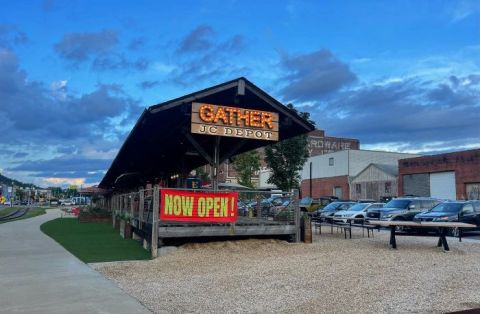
(37, 275)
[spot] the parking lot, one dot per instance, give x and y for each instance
(360, 275)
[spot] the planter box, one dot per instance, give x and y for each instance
(87, 217)
(125, 229)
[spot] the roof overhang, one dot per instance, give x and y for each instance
(161, 144)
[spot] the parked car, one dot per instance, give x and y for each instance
(328, 211)
(356, 211)
(66, 203)
(242, 208)
(404, 208)
(308, 204)
(278, 208)
(267, 205)
(458, 211)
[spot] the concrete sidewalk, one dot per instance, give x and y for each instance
(37, 275)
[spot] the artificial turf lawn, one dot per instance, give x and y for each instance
(93, 242)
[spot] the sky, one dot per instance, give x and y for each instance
(75, 75)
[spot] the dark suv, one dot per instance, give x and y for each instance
(462, 211)
(404, 208)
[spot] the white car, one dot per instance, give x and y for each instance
(356, 211)
(66, 203)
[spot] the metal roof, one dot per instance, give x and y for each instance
(158, 144)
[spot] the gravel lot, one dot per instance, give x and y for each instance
(331, 275)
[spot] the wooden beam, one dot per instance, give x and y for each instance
(199, 148)
(241, 87)
(208, 231)
(155, 212)
(233, 151)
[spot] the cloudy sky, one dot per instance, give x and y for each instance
(75, 75)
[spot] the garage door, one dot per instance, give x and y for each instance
(442, 185)
(416, 184)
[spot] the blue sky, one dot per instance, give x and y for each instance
(75, 75)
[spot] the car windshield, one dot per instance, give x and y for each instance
(358, 207)
(331, 206)
(306, 201)
(447, 207)
(397, 204)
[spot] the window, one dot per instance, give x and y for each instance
(330, 161)
(358, 188)
(468, 209)
(388, 187)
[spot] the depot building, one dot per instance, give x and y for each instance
(210, 126)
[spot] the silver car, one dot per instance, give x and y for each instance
(356, 211)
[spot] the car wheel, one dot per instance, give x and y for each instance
(454, 232)
(358, 220)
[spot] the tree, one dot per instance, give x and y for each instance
(246, 164)
(286, 158)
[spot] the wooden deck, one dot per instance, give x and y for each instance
(244, 227)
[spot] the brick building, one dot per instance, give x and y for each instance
(333, 173)
(448, 176)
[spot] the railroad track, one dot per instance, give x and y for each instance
(15, 215)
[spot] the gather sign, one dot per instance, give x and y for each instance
(218, 120)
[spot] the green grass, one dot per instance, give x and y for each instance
(35, 211)
(7, 210)
(93, 242)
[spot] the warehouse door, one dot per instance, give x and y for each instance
(442, 185)
(416, 184)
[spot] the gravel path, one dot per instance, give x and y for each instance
(331, 275)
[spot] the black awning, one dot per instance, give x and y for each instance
(158, 145)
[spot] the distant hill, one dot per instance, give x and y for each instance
(8, 182)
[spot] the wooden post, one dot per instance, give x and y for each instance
(132, 204)
(141, 201)
(259, 206)
(155, 212)
(216, 163)
(297, 215)
(113, 211)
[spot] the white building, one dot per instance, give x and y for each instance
(333, 173)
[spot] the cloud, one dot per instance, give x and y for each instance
(148, 84)
(119, 62)
(411, 111)
(199, 39)
(31, 111)
(200, 56)
(464, 9)
(20, 155)
(63, 165)
(79, 47)
(10, 35)
(314, 75)
(73, 135)
(62, 170)
(100, 49)
(136, 43)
